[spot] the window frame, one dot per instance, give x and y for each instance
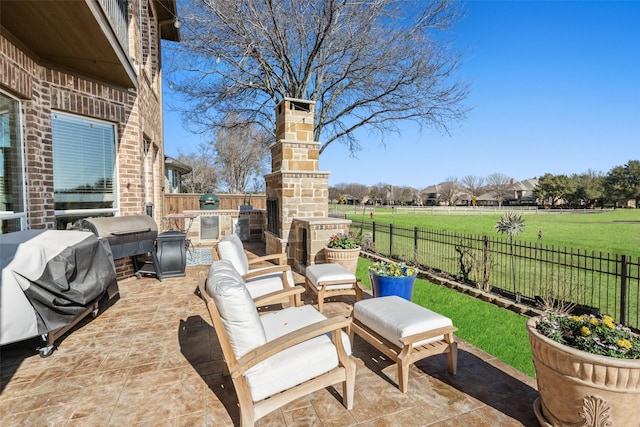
(22, 215)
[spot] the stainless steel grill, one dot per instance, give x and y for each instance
(128, 236)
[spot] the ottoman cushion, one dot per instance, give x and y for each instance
(393, 318)
(330, 272)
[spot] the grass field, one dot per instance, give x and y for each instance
(614, 231)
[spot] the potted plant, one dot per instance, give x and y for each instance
(390, 278)
(587, 369)
(344, 249)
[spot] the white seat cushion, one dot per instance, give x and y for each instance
(230, 248)
(393, 318)
(298, 363)
(263, 285)
(235, 305)
(319, 273)
(272, 282)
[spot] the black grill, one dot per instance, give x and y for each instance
(128, 236)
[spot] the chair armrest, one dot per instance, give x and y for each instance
(214, 253)
(267, 271)
(279, 344)
(278, 258)
(409, 340)
(277, 296)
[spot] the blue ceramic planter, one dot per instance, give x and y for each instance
(385, 285)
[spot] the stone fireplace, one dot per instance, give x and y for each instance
(297, 192)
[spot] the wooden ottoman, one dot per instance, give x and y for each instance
(404, 331)
(328, 280)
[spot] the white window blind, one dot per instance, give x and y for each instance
(84, 170)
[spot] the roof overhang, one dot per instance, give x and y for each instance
(177, 165)
(76, 35)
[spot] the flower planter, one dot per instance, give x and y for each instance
(582, 389)
(388, 285)
(348, 258)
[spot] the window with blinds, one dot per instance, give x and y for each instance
(84, 165)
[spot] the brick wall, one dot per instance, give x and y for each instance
(136, 113)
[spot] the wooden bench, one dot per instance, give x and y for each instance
(404, 332)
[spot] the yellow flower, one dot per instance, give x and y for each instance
(624, 343)
(585, 331)
(594, 321)
(607, 318)
(575, 318)
(608, 321)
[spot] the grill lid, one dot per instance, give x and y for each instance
(119, 230)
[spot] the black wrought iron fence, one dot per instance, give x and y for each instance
(527, 272)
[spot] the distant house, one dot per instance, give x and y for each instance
(445, 194)
(520, 193)
(173, 171)
(81, 109)
(523, 192)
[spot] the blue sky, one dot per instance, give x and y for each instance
(555, 87)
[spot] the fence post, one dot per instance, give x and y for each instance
(415, 245)
(623, 290)
(373, 233)
(390, 240)
(485, 261)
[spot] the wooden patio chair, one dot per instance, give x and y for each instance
(260, 281)
(279, 357)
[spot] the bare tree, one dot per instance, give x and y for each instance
(357, 191)
(241, 152)
(473, 184)
(450, 191)
(370, 64)
(501, 186)
(204, 175)
(404, 195)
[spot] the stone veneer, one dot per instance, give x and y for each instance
(300, 189)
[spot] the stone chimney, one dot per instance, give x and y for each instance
(297, 192)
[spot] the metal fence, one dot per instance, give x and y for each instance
(524, 271)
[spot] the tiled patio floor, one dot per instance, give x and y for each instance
(152, 358)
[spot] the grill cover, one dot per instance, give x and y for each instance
(49, 277)
(119, 230)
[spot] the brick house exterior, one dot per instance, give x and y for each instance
(93, 61)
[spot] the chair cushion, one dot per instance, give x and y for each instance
(319, 273)
(393, 318)
(230, 248)
(235, 305)
(296, 364)
(262, 285)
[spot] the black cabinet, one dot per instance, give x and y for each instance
(171, 251)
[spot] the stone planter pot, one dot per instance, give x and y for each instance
(383, 286)
(348, 258)
(583, 389)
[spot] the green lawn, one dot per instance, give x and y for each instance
(497, 331)
(616, 232)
